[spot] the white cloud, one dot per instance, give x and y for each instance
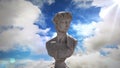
(44, 31)
(36, 64)
(39, 3)
(105, 3)
(93, 60)
(113, 53)
(101, 3)
(50, 1)
(18, 17)
(84, 29)
(82, 3)
(107, 32)
(54, 34)
(27, 64)
(41, 21)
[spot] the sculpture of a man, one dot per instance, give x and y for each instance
(63, 45)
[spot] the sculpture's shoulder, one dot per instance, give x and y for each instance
(71, 39)
(50, 46)
(51, 41)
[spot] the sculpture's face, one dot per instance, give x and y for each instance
(63, 25)
(62, 21)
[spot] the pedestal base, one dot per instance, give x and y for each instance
(60, 65)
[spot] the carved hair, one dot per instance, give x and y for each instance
(62, 16)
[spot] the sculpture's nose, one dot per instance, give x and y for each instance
(66, 24)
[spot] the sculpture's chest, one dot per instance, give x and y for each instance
(59, 50)
(60, 46)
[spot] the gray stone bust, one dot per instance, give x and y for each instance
(63, 45)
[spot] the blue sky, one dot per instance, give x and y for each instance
(26, 25)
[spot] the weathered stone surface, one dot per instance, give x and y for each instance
(62, 46)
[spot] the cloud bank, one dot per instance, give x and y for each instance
(107, 31)
(27, 64)
(93, 60)
(17, 18)
(82, 3)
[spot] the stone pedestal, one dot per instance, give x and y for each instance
(60, 63)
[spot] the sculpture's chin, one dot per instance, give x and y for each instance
(63, 31)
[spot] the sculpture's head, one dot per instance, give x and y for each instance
(62, 21)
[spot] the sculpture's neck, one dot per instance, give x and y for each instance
(61, 36)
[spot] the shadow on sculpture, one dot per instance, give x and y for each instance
(63, 45)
